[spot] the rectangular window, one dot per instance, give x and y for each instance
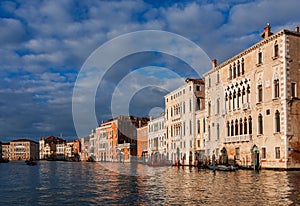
(260, 93)
(294, 89)
(190, 126)
(198, 126)
(208, 132)
(259, 58)
(263, 153)
(277, 152)
(218, 131)
(183, 128)
(218, 106)
(276, 50)
(198, 143)
(197, 88)
(276, 88)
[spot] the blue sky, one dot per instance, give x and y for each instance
(43, 45)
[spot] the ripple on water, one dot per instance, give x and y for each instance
(64, 183)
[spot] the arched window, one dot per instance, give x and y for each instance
(245, 126)
(230, 72)
(277, 121)
(241, 126)
(243, 95)
(250, 125)
(238, 68)
(232, 128)
(226, 102)
(233, 101)
(259, 91)
(238, 98)
(228, 128)
(260, 124)
(242, 66)
(229, 101)
(234, 70)
(276, 86)
(236, 132)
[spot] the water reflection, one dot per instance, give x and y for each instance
(57, 183)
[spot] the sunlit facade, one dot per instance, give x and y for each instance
(259, 103)
(180, 113)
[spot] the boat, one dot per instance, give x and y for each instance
(4, 160)
(31, 162)
(222, 167)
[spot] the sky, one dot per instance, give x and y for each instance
(44, 45)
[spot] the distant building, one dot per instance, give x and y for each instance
(84, 154)
(156, 137)
(24, 149)
(5, 151)
(142, 141)
(48, 148)
(258, 94)
(180, 113)
(115, 139)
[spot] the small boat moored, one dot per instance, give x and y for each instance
(223, 168)
(31, 162)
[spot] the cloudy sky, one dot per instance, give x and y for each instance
(44, 45)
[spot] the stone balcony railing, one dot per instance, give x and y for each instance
(176, 117)
(238, 138)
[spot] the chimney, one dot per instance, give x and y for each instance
(140, 123)
(297, 29)
(267, 32)
(214, 63)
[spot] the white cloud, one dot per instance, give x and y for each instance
(44, 44)
(12, 32)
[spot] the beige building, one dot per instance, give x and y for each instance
(156, 137)
(142, 142)
(200, 122)
(24, 149)
(48, 148)
(181, 106)
(5, 151)
(258, 91)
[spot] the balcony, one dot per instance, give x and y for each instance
(176, 117)
(238, 138)
(245, 106)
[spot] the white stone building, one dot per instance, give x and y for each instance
(258, 91)
(156, 136)
(181, 106)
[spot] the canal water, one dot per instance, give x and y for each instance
(84, 183)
